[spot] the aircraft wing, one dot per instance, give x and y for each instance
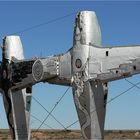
(17, 106)
(112, 63)
(16, 101)
(90, 102)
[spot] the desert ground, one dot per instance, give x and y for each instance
(75, 135)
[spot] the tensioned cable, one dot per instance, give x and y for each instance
(41, 121)
(53, 109)
(48, 112)
(132, 83)
(112, 99)
(43, 24)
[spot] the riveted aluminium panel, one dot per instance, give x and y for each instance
(65, 65)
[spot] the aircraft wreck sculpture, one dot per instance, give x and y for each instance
(87, 67)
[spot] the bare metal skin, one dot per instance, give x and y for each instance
(87, 67)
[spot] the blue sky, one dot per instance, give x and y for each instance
(120, 25)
